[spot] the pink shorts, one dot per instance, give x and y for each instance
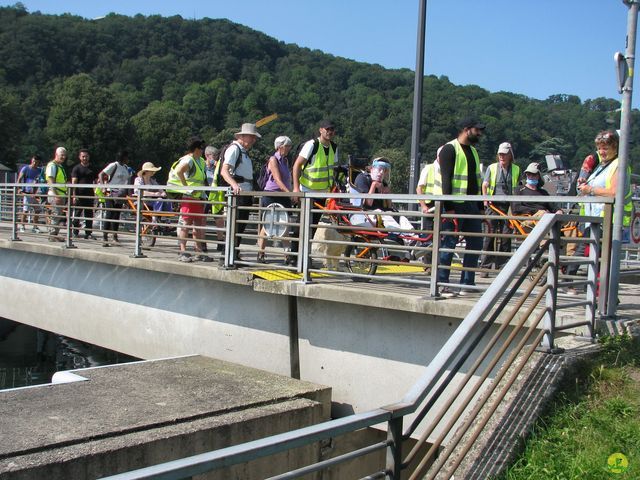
(188, 209)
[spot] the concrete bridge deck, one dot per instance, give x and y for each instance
(369, 341)
(384, 294)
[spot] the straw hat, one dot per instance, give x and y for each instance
(248, 129)
(148, 167)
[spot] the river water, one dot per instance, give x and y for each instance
(29, 356)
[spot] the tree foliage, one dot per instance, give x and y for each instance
(84, 114)
(147, 83)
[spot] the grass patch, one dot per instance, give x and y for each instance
(596, 415)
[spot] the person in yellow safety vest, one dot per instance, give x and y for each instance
(500, 178)
(56, 174)
(429, 183)
(460, 175)
(190, 171)
(216, 198)
(313, 170)
(603, 182)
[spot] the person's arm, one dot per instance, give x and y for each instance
(375, 187)
(105, 173)
(228, 177)
(230, 160)
(50, 175)
(275, 173)
(447, 165)
(181, 170)
(21, 175)
(305, 155)
(485, 185)
(587, 189)
(420, 190)
(297, 171)
(74, 180)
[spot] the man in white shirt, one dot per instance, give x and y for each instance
(116, 173)
(237, 171)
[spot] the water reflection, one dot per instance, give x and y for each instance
(30, 356)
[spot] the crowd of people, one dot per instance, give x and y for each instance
(456, 171)
(201, 166)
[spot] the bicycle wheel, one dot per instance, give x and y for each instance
(357, 259)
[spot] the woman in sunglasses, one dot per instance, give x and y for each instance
(603, 182)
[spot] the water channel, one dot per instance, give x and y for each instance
(30, 356)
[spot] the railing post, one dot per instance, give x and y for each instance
(394, 449)
(14, 215)
(605, 234)
(435, 248)
(230, 240)
(69, 218)
(551, 295)
(304, 249)
(137, 251)
(592, 277)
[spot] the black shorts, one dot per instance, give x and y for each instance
(284, 201)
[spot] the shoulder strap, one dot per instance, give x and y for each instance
(314, 150)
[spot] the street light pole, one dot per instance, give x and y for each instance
(623, 154)
(416, 125)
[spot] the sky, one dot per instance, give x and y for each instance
(536, 48)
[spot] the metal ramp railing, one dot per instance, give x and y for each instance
(457, 394)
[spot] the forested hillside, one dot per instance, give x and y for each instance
(146, 83)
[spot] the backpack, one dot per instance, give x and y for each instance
(314, 150)
(218, 179)
(42, 178)
(264, 175)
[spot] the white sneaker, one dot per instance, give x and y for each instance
(463, 292)
(35, 230)
(446, 292)
(21, 228)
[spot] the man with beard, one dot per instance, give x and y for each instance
(460, 175)
(83, 173)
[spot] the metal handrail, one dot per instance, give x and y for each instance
(393, 413)
(456, 349)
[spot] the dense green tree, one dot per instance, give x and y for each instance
(170, 77)
(11, 128)
(161, 133)
(84, 114)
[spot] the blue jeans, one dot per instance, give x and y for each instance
(470, 225)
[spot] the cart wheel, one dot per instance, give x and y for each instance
(356, 260)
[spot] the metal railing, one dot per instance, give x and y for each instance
(338, 245)
(443, 412)
(452, 390)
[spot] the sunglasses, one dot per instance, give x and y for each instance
(330, 129)
(604, 137)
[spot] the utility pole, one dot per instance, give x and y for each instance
(416, 126)
(625, 70)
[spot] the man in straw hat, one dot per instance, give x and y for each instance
(237, 171)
